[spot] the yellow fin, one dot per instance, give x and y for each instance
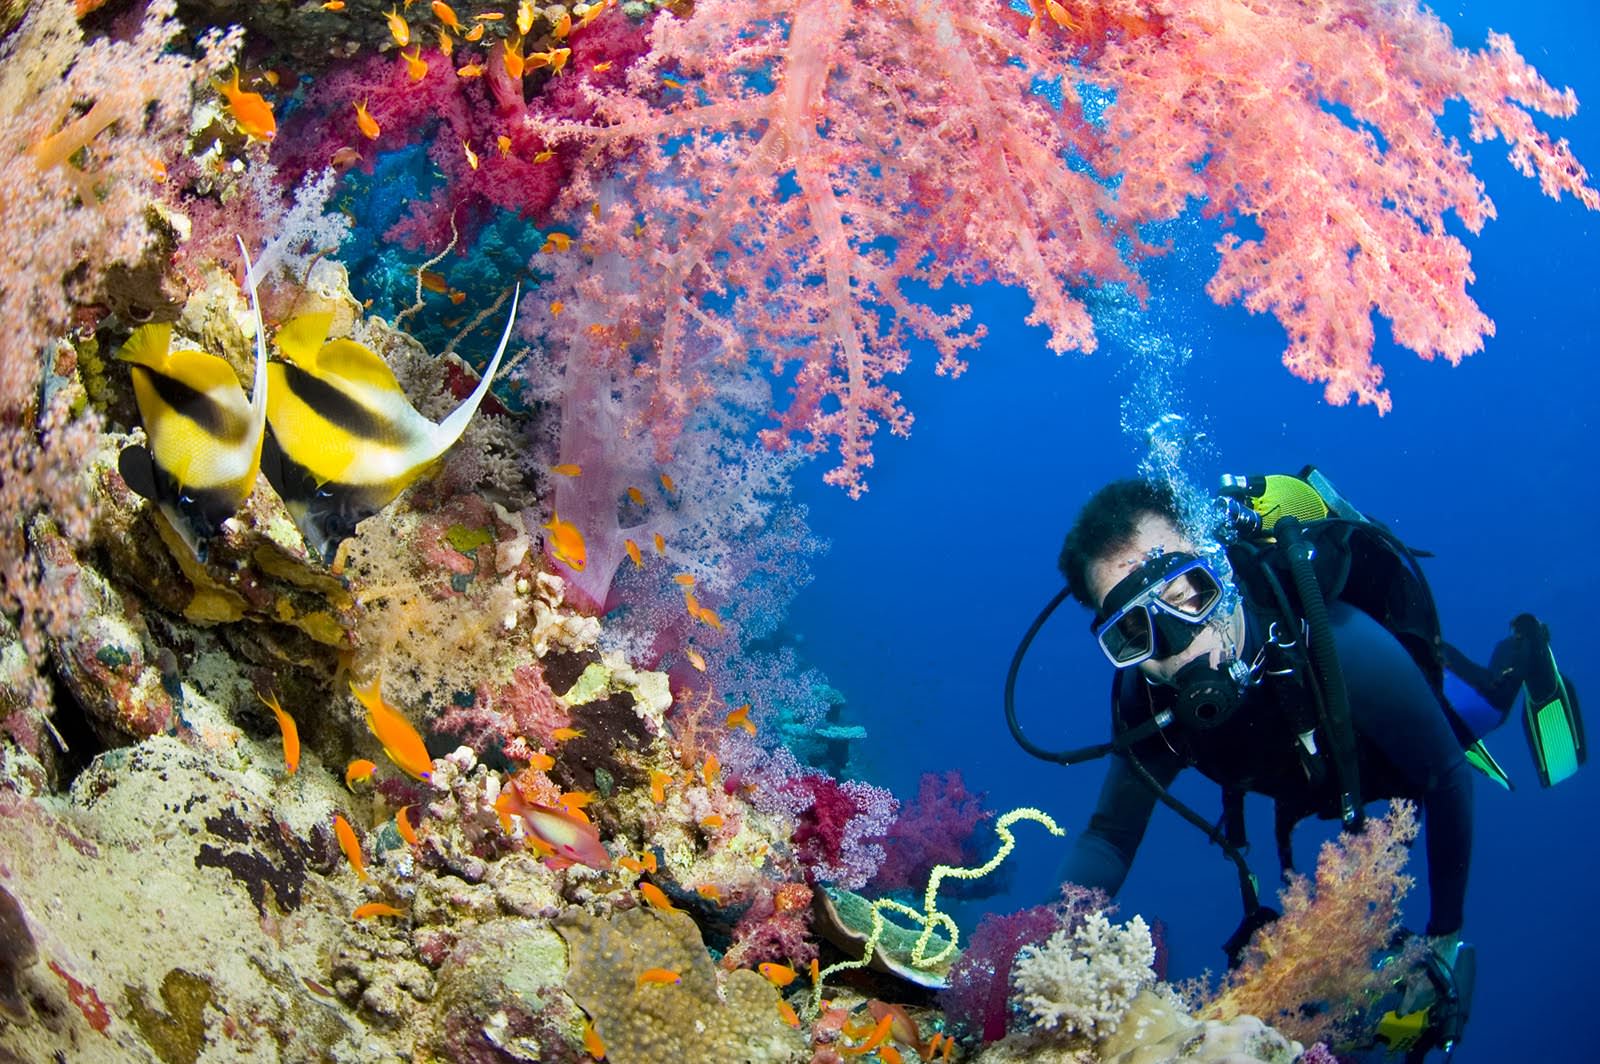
(148, 346)
(301, 339)
(354, 364)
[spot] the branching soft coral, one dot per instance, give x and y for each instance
(1312, 969)
(1317, 120)
(918, 151)
(83, 125)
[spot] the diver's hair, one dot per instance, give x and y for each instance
(1107, 521)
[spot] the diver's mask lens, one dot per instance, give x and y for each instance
(1163, 603)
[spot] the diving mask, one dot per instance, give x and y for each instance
(1157, 610)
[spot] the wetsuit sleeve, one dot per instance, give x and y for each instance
(1398, 719)
(1103, 853)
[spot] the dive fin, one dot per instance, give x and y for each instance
(1479, 757)
(1553, 725)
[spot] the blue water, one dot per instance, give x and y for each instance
(935, 573)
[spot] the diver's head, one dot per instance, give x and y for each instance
(1159, 600)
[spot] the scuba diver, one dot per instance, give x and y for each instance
(1295, 655)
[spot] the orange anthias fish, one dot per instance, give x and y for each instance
(349, 844)
(659, 977)
(250, 110)
(880, 1032)
(657, 897)
(416, 66)
(359, 769)
(376, 908)
(902, 1028)
(775, 973)
(633, 553)
(525, 17)
(366, 123)
(446, 15)
(591, 1042)
(634, 494)
(291, 734)
(566, 543)
(740, 718)
(787, 1014)
(398, 28)
(567, 469)
(709, 770)
(569, 839)
(402, 824)
(658, 785)
(402, 742)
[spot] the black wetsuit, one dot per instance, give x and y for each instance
(1406, 746)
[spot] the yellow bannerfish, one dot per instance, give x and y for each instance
(205, 436)
(345, 440)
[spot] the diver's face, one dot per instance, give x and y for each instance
(1218, 642)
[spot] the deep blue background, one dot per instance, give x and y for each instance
(936, 572)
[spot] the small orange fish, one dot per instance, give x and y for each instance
(708, 616)
(402, 824)
(503, 142)
(561, 735)
(661, 544)
(360, 769)
(932, 1046)
(712, 822)
(567, 469)
(250, 110)
(400, 740)
(880, 1031)
(333, 5)
(457, 296)
(349, 844)
(672, 83)
(668, 485)
(515, 64)
(889, 1054)
(590, 12)
(572, 801)
(591, 1042)
(469, 70)
(632, 864)
(475, 34)
(490, 16)
(525, 17)
(542, 761)
(633, 553)
(710, 892)
(601, 68)
(816, 972)
(775, 973)
(344, 158)
(555, 57)
(398, 28)
(446, 15)
(658, 785)
(376, 908)
(740, 718)
(683, 579)
(657, 897)
(366, 123)
(544, 156)
(659, 977)
(447, 43)
(472, 156)
(634, 494)
(433, 282)
(694, 658)
(787, 1014)
(709, 770)
(416, 66)
(291, 734)
(556, 242)
(566, 543)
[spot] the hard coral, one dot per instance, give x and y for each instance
(697, 1018)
